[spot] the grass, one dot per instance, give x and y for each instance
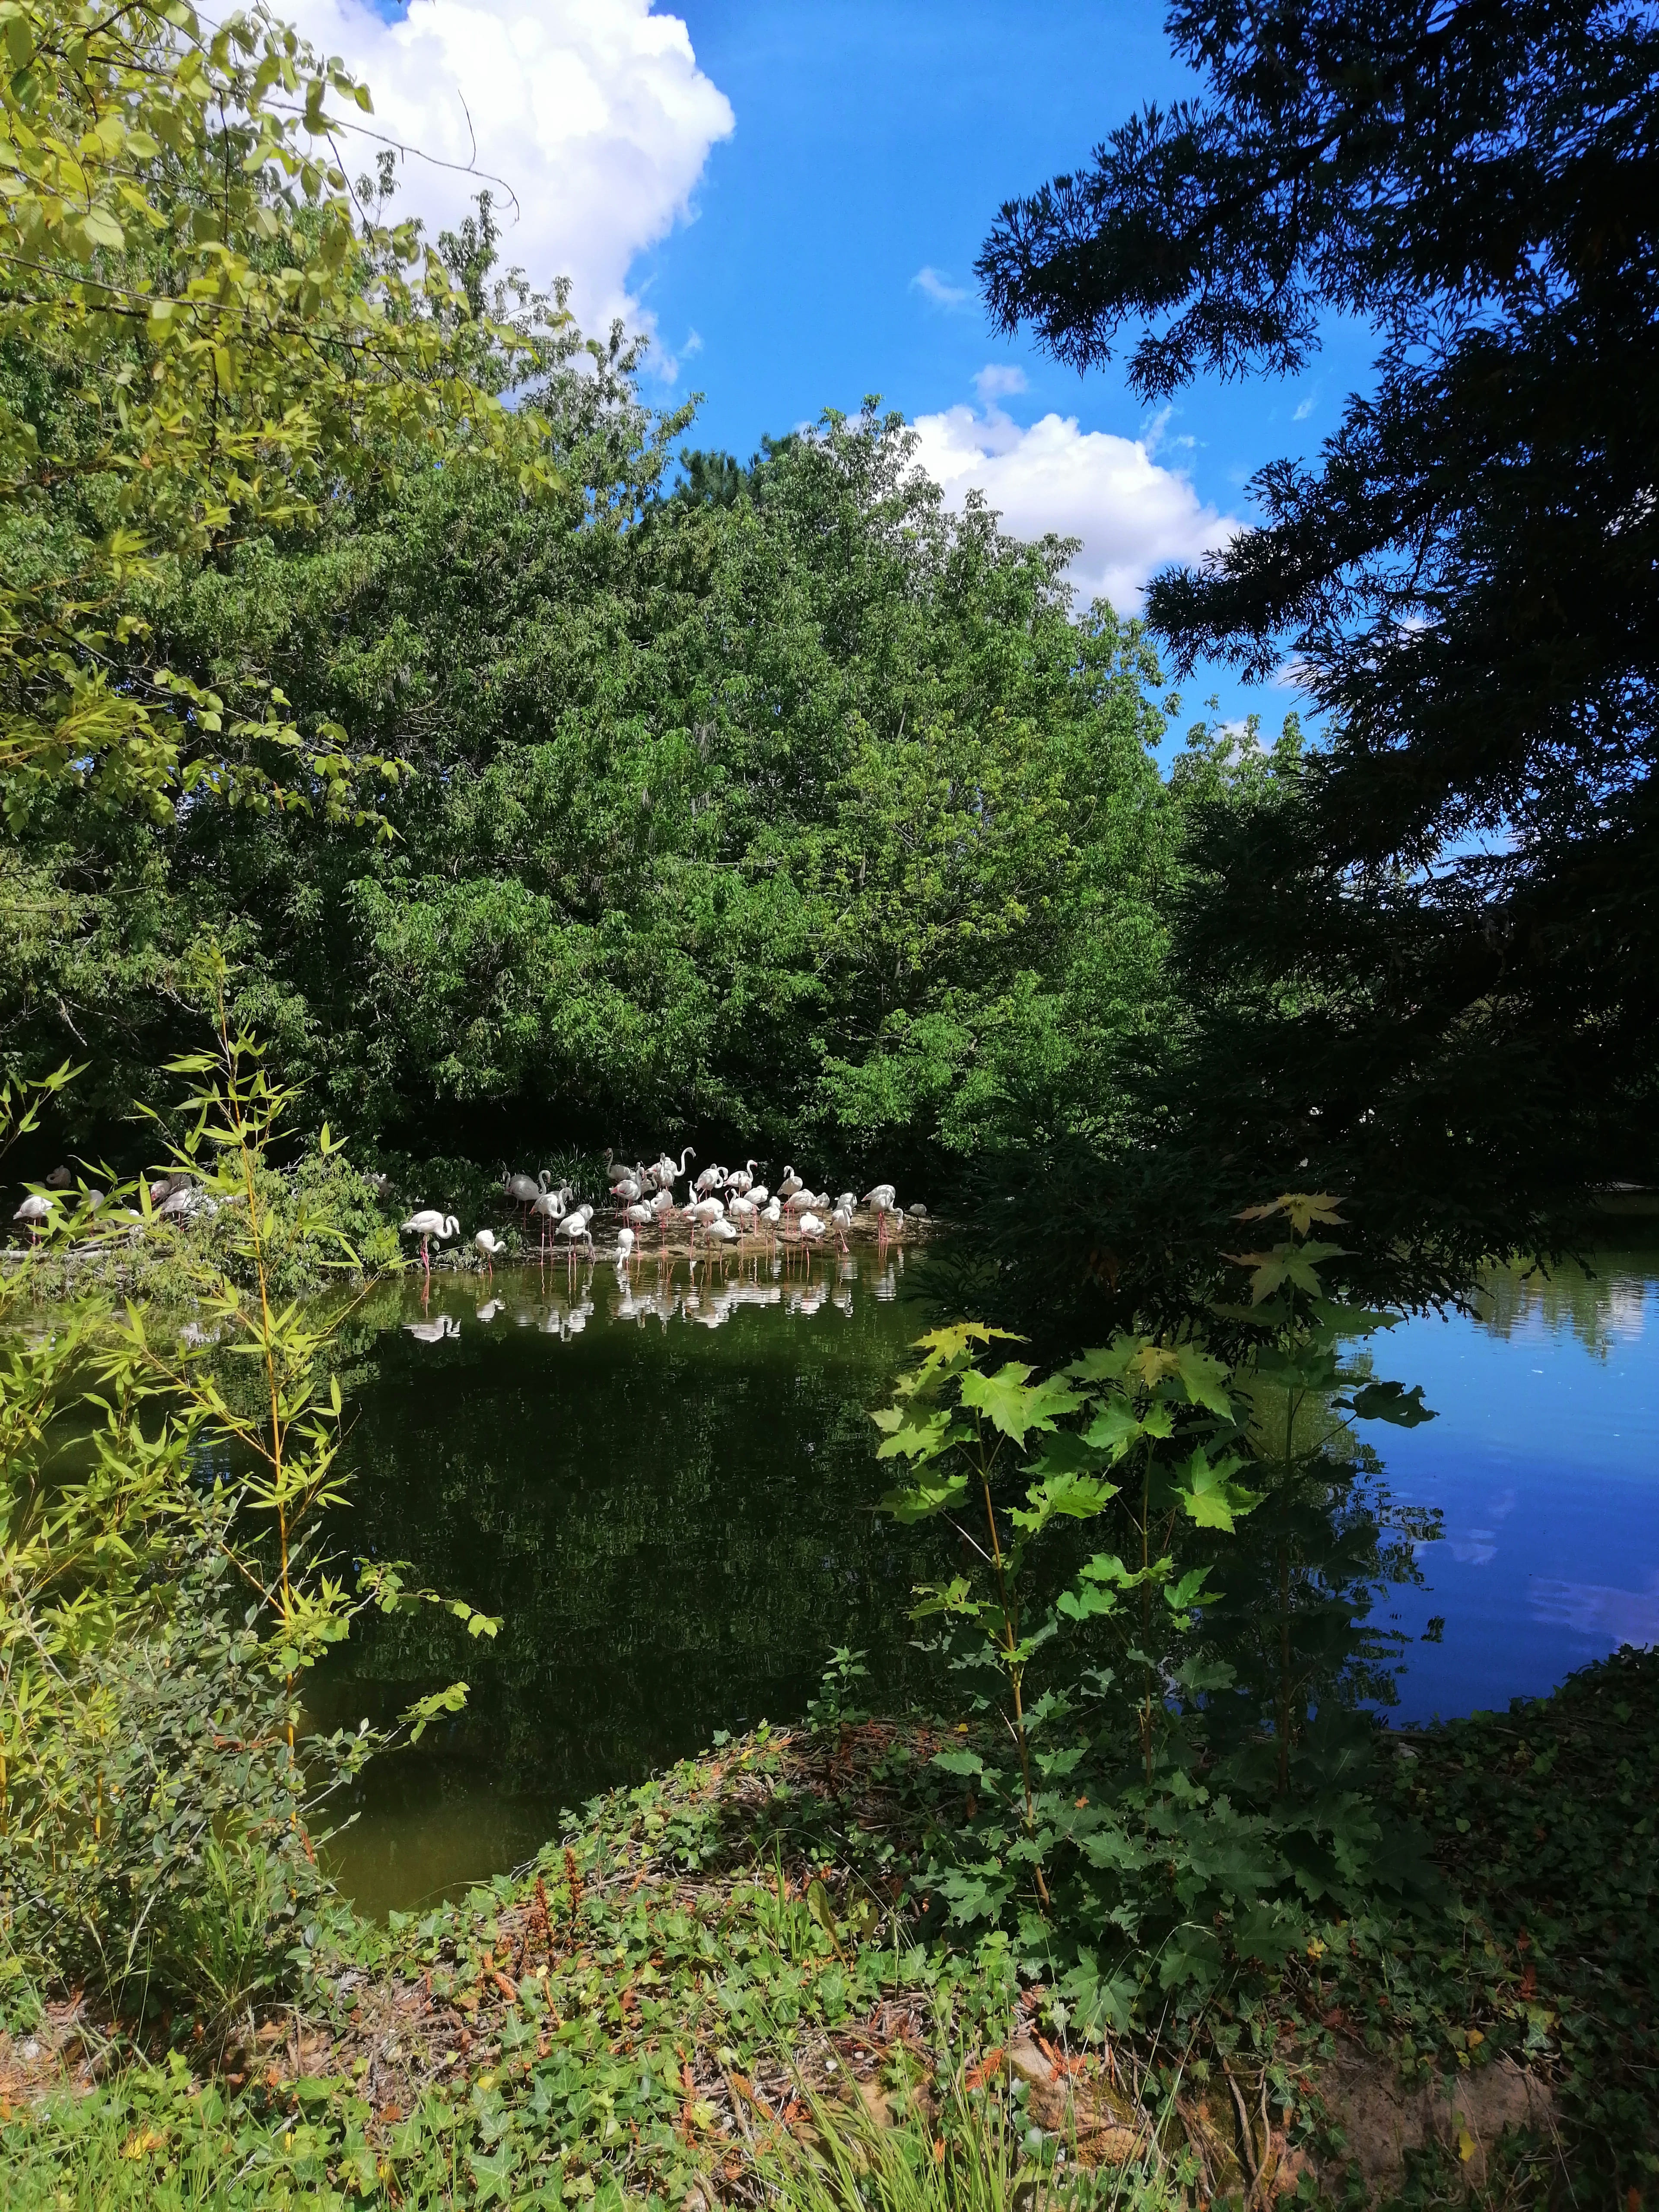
(724, 1987)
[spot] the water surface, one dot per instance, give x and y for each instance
(1543, 1463)
(666, 1490)
(663, 1488)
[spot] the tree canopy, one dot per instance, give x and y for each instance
(1421, 958)
(779, 805)
(206, 336)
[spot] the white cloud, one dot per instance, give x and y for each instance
(999, 381)
(1132, 514)
(593, 112)
(935, 285)
(1304, 407)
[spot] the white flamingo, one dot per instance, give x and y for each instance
(881, 1197)
(34, 1213)
(667, 1174)
(549, 1207)
(810, 1227)
(791, 1183)
(487, 1244)
(757, 1194)
(574, 1228)
(710, 1179)
(625, 1246)
(427, 1224)
(841, 1220)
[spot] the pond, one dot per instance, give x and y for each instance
(665, 1490)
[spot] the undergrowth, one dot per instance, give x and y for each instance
(709, 1978)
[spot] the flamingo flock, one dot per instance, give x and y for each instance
(726, 1208)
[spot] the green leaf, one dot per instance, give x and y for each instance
(1210, 1498)
(924, 1440)
(950, 1343)
(1075, 1496)
(1204, 1378)
(1087, 1602)
(924, 1497)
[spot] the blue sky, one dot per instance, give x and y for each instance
(792, 200)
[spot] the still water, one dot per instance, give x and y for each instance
(665, 1490)
(1543, 1463)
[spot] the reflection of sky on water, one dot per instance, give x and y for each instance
(1544, 1462)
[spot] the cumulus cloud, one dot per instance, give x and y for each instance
(593, 112)
(1131, 513)
(933, 284)
(999, 381)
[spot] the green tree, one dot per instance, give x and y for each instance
(1422, 961)
(204, 335)
(809, 815)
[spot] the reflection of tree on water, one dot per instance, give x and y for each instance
(1302, 1583)
(1603, 1303)
(663, 1485)
(668, 1504)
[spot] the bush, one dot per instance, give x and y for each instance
(158, 1848)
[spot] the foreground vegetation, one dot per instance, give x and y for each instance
(716, 1982)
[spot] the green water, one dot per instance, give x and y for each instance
(663, 1491)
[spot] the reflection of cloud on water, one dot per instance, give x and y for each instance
(1610, 1616)
(1626, 1307)
(1478, 1547)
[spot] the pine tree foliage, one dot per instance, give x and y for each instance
(1424, 956)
